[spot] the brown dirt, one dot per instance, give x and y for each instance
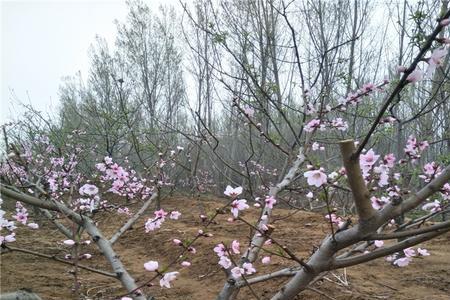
(427, 278)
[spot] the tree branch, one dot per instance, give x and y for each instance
(356, 260)
(133, 219)
(53, 257)
(361, 195)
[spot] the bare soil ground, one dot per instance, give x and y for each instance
(427, 278)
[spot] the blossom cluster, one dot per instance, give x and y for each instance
(223, 253)
(404, 258)
(337, 123)
(71, 243)
(160, 216)
(21, 216)
(124, 182)
(167, 278)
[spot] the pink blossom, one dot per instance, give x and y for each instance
(265, 260)
(233, 192)
(175, 215)
(310, 195)
(436, 59)
(21, 217)
(383, 170)
(384, 179)
(423, 252)
(378, 243)
(161, 214)
(126, 298)
(445, 22)
(220, 250)
(237, 272)
(238, 205)
(101, 167)
(367, 160)
(368, 87)
(433, 207)
(415, 76)
(446, 191)
(430, 168)
(151, 266)
(52, 184)
(249, 269)
(153, 224)
(379, 203)
(316, 177)
(411, 146)
(334, 219)
(33, 225)
(391, 258)
(339, 124)
(313, 124)
(108, 160)
(389, 159)
(315, 146)
(69, 242)
(8, 238)
(123, 210)
(270, 201)
(89, 190)
(185, 264)
(409, 252)
(86, 256)
(402, 262)
(168, 277)
(177, 242)
(310, 109)
(353, 98)
(235, 247)
(249, 111)
(225, 262)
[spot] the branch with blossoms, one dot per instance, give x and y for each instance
(188, 246)
(322, 260)
(259, 239)
(102, 243)
(50, 185)
(60, 260)
(411, 74)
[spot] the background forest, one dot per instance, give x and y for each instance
(184, 76)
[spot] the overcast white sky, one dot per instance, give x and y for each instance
(42, 41)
